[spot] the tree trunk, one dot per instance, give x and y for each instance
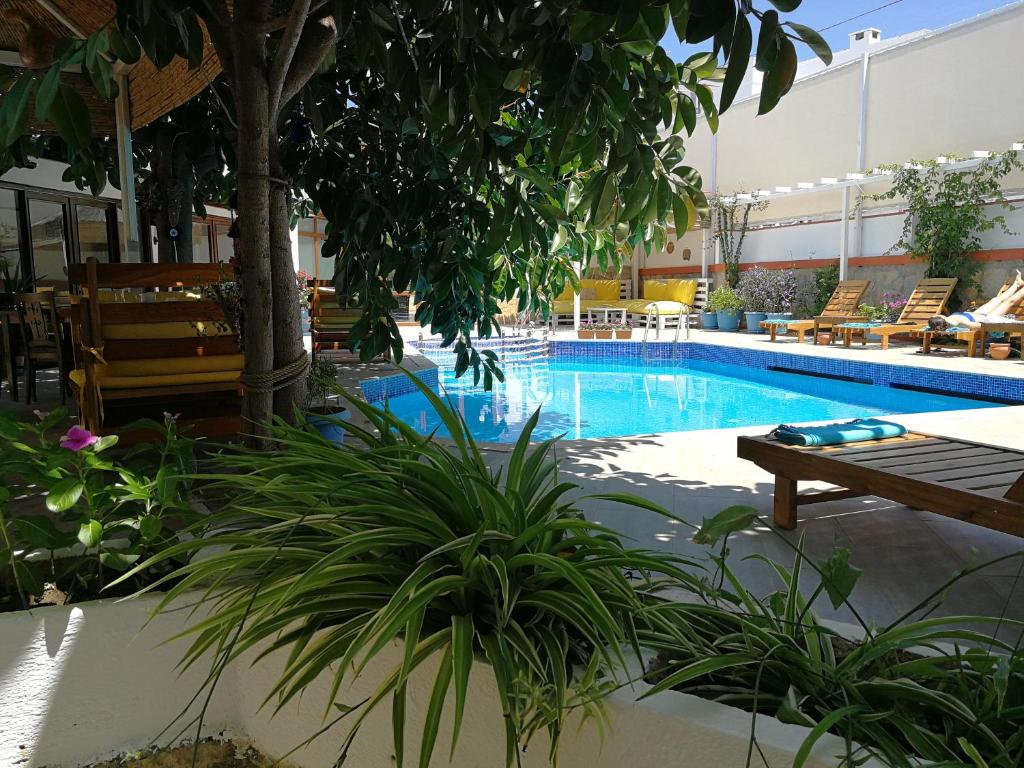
(254, 134)
(182, 173)
(287, 319)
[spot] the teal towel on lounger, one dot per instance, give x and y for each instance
(842, 432)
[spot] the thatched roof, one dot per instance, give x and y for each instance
(152, 93)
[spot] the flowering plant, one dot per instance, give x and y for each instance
(755, 288)
(102, 513)
(892, 304)
(782, 290)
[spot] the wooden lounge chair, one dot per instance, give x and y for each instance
(976, 337)
(841, 308)
(155, 356)
(330, 325)
(928, 299)
(981, 484)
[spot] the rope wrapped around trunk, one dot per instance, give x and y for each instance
(279, 378)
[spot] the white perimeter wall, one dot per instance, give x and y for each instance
(952, 91)
(83, 683)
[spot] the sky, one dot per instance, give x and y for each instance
(897, 18)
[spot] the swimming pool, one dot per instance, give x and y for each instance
(583, 399)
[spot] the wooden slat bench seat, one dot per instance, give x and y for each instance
(981, 484)
(841, 308)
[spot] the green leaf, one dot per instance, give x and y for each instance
(435, 707)
(767, 42)
(821, 729)
(587, 27)
(47, 92)
(812, 40)
(779, 79)
(729, 520)
(90, 533)
(70, 116)
(118, 560)
(150, 527)
(739, 60)
(124, 47)
(838, 577)
(64, 494)
(462, 665)
(14, 108)
(40, 531)
(513, 80)
(104, 442)
(786, 6)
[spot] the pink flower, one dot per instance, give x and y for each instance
(77, 438)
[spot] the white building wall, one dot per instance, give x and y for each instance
(952, 91)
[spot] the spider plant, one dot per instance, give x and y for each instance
(937, 690)
(333, 553)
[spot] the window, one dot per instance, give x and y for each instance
(93, 233)
(10, 251)
(49, 242)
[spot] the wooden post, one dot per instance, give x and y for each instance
(784, 514)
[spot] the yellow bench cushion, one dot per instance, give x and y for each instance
(164, 371)
(644, 307)
(170, 330)
(682, 291)
(654, 290)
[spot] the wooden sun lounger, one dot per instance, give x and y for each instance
(976, 337)
(981, 484)
(928, 299)
(841, 308)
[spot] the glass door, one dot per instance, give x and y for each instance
(49, 242)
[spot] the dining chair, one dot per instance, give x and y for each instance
(42, 340)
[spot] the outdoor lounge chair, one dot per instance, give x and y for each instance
(841, 308)
(976, 337)
(981, 484)
(928, 299)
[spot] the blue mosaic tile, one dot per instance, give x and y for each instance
(1003, 388)
(381, 388)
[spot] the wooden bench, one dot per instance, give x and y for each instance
(156, 348)
(981, 484)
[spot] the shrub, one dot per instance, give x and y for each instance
(104, 512)
(958, 703)
(825, 281)
(333, 552)
(755, 288)
(724, 299)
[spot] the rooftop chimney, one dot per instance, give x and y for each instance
(864, 38)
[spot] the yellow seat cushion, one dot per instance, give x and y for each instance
(169, 330)
(682, 291)
(566, 294)
(168, 380)
(562, 307)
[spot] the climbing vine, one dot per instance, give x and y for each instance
(947, 212)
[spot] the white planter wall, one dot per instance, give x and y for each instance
(87, 682)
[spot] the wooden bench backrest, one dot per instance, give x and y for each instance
(203, 323)
(928, 299)
(846, 298)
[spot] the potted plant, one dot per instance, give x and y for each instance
(623, 330)
(782, 290)
(585, 331)
(709, 319)
(755, 287)
(14, 284)
(321, 381)
(727, 304)
(603, 330)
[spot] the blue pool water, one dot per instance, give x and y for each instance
(598, 399)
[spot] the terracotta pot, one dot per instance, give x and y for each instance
(999, 351)
(602, 334)
(624, 334)
(581, 334)
(825, 338)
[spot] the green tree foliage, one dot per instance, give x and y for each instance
(469, 150)
(948, 211)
